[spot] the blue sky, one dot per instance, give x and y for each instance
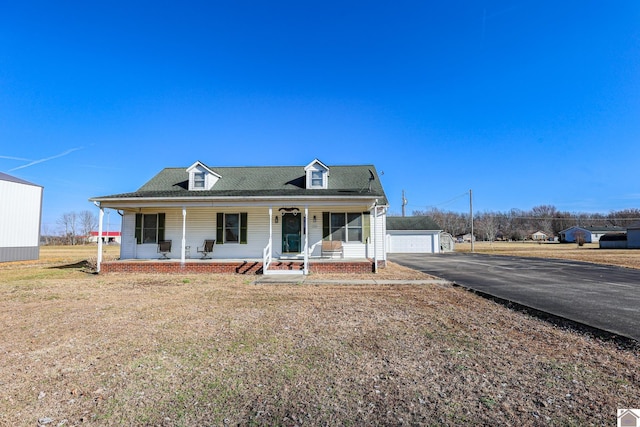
(525, 102)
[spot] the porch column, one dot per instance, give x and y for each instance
(375, 243)
(184, 235)
(271, 228)
(306, 241)
(384, 239)
(100, 220)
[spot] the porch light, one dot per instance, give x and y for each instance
(276, 219)
(314, 218)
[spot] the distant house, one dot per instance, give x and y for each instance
(465, 238)
(20, 219)
(108, 237)
(590, 234)
(413, 234)
(539, 236)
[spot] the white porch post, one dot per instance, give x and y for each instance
(271, 228)
(306, 241)
(184, 235)
(375, 242)
(384, 239)
(100, 220)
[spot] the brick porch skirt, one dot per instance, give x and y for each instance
(237, 267)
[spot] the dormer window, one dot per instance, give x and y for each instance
(317, 175)
(201, 177)
(198, 180)
(317, 179)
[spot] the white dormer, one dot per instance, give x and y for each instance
(201, 178)
(317, 175)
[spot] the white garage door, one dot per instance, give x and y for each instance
(411, 243)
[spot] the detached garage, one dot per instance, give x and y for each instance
(412, 234)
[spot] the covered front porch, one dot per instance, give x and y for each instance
(248, 239)
(238, 266)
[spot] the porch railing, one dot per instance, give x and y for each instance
(266, 258)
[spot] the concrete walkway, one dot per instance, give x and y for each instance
(298, 279)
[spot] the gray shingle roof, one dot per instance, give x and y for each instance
(411, 223)
(276, 181)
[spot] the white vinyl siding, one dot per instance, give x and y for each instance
(201, 225)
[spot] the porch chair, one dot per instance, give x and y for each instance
(206, 249)
(164, 247)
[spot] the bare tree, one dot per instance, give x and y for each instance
(454, 223)
(487, 225)
(624, 218)
(516, 225)
(44, 233)
(88, 223)
(544, 215)
(69, 225)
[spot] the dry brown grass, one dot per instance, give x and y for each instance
(590, 252)
(217, 350)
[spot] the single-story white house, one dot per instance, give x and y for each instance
(20, 219)
(413, 234)
(590, 234)
(539, 235)
(262, 219)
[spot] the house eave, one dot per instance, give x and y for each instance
(141, 202)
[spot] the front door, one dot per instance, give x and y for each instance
(291, 236)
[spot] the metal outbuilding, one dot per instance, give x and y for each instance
(20, 218)
(633, 236)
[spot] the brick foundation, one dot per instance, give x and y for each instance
(245, 267)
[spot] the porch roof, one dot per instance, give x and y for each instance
(260, 182)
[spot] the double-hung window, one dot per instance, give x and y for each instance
(231, 228)
(316, 179)
(149, 228)
(345, 226)
(198, 180)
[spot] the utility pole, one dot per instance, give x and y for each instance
(404, 202)
(471, 216)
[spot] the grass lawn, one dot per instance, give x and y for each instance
(125, 349)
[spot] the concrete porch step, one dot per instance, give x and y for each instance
(295, 273)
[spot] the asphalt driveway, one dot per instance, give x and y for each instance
(600, 296)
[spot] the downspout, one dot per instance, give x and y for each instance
(100, 220)
(184, 236)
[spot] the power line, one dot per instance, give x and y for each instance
(455, 198)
